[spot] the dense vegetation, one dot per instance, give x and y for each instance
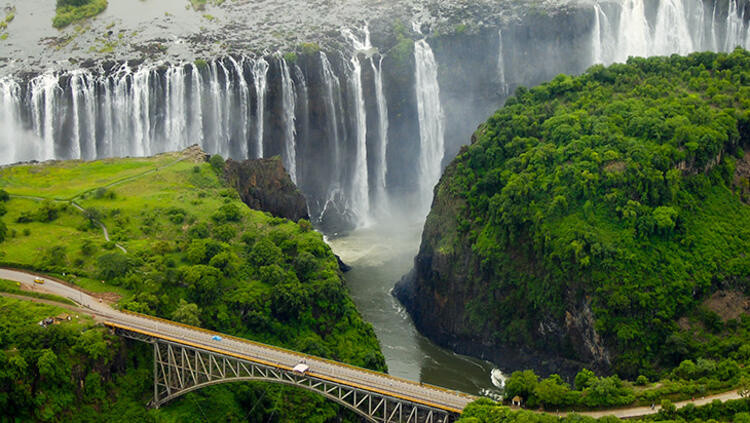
(71, 11)
(67, 371)
(184, 247)
(621, 190)
(688, 380)
(737, 411)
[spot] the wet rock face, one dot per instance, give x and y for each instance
(264, 185)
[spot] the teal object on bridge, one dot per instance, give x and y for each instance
(216, 338)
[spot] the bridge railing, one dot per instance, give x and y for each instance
(298, 354)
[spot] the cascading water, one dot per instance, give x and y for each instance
(431, 131)
(289, 101)
(196, 109)
(680, 26)
(303, 106)
(140, 114)
(671, 33)
(633, 35)
(243, 95)
(76, 94)
(381, 170)
(360, 181)
(175, 127)
(260, 72)
(9, 100)
(501, 64)
(44, 89)
(734, 27)
(332, 94)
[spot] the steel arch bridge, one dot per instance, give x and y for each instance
(181, 367)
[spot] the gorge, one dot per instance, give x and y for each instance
(366, 128)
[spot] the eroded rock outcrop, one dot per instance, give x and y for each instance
(265, 185)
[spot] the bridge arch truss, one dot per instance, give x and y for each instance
(180, 368)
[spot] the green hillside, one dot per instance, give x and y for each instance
(602, 218)
(184, 247)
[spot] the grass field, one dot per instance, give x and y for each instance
(132, 197)
(14, 288)
(19, 312)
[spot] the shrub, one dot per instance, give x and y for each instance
(198, 231)
(54, 256)
(217, 163)
(69, 11)
(227, 213)
(113, 265)
(225, 232)
(3, 231)
(4, 196)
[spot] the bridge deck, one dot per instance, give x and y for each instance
(321, 368)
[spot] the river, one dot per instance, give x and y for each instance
(379, 255)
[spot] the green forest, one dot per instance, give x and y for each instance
(624, 189)
(183, 247)
(736, 411)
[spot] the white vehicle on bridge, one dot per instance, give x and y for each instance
(301, 368)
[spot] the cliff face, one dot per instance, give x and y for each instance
(264, 185)
(447, 279)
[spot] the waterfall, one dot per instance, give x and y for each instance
(431, 146)
(734, 27)
(260, 71)
(633, 35)
(501, 63)
(141, 114)
(44, 90)
(303, 99)
(714, 37)
(244, 95)
(175, 122)
(382, 161)
(696, 22)
(596, 36)
(332, 90)
(289, 101)
(671, 32)
(76, 92)
(326, 116)
(360, 195)
(603, 41)
(216, 119)
(83, 144)
(360, 191)
(196, 107)
(9, 101)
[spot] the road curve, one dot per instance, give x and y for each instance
(353, 376)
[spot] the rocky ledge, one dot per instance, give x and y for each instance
(264, 184)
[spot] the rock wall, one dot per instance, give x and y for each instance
(264, 185)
